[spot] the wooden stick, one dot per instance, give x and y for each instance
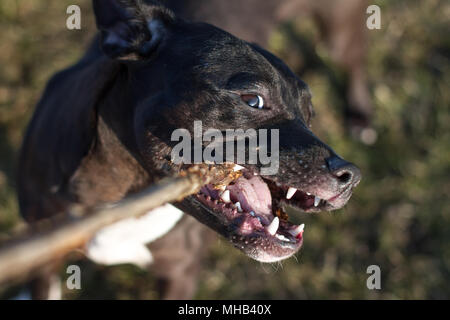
(19, 258)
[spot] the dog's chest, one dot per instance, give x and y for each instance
(125, 241)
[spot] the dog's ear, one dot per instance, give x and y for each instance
(131, 29)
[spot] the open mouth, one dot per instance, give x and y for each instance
(253, 208)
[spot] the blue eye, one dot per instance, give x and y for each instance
(253, 100)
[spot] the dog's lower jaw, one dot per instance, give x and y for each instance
(264, 257)
(257, 244)
(259, 249)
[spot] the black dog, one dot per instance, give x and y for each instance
(103, 130)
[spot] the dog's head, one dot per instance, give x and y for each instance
(180, 72)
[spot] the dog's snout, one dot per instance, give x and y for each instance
(345, 172)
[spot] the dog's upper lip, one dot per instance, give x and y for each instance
(336, 196)
(340, 194)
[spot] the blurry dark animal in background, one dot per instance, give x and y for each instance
(103, 127)
(342, 25)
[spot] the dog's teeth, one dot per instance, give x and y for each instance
(308, 193)
(238, 206)
(282, 238)
(252, 213)
(297, 231)
(222, 188)
(290, 193)
(225, 196)
(316, 201)
(237, 167)
(272, 228)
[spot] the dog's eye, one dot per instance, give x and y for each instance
(253, 100)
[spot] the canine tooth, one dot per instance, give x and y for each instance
(290, 193)
(316, 201)
(272, 228)
(308, 193)
(299, 230)
(252, 213)
(237, 167)
(225, 196)
(222, 188)
(238, 206)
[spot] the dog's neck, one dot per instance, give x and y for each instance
(109, 172)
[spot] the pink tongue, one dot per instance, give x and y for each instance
(253, 194)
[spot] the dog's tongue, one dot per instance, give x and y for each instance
(253, 194)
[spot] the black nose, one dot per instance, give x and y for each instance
(346, 173)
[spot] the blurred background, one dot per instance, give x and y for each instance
(399, 216)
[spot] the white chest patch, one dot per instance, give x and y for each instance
(124, 241)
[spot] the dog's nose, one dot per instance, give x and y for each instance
(346, 173)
